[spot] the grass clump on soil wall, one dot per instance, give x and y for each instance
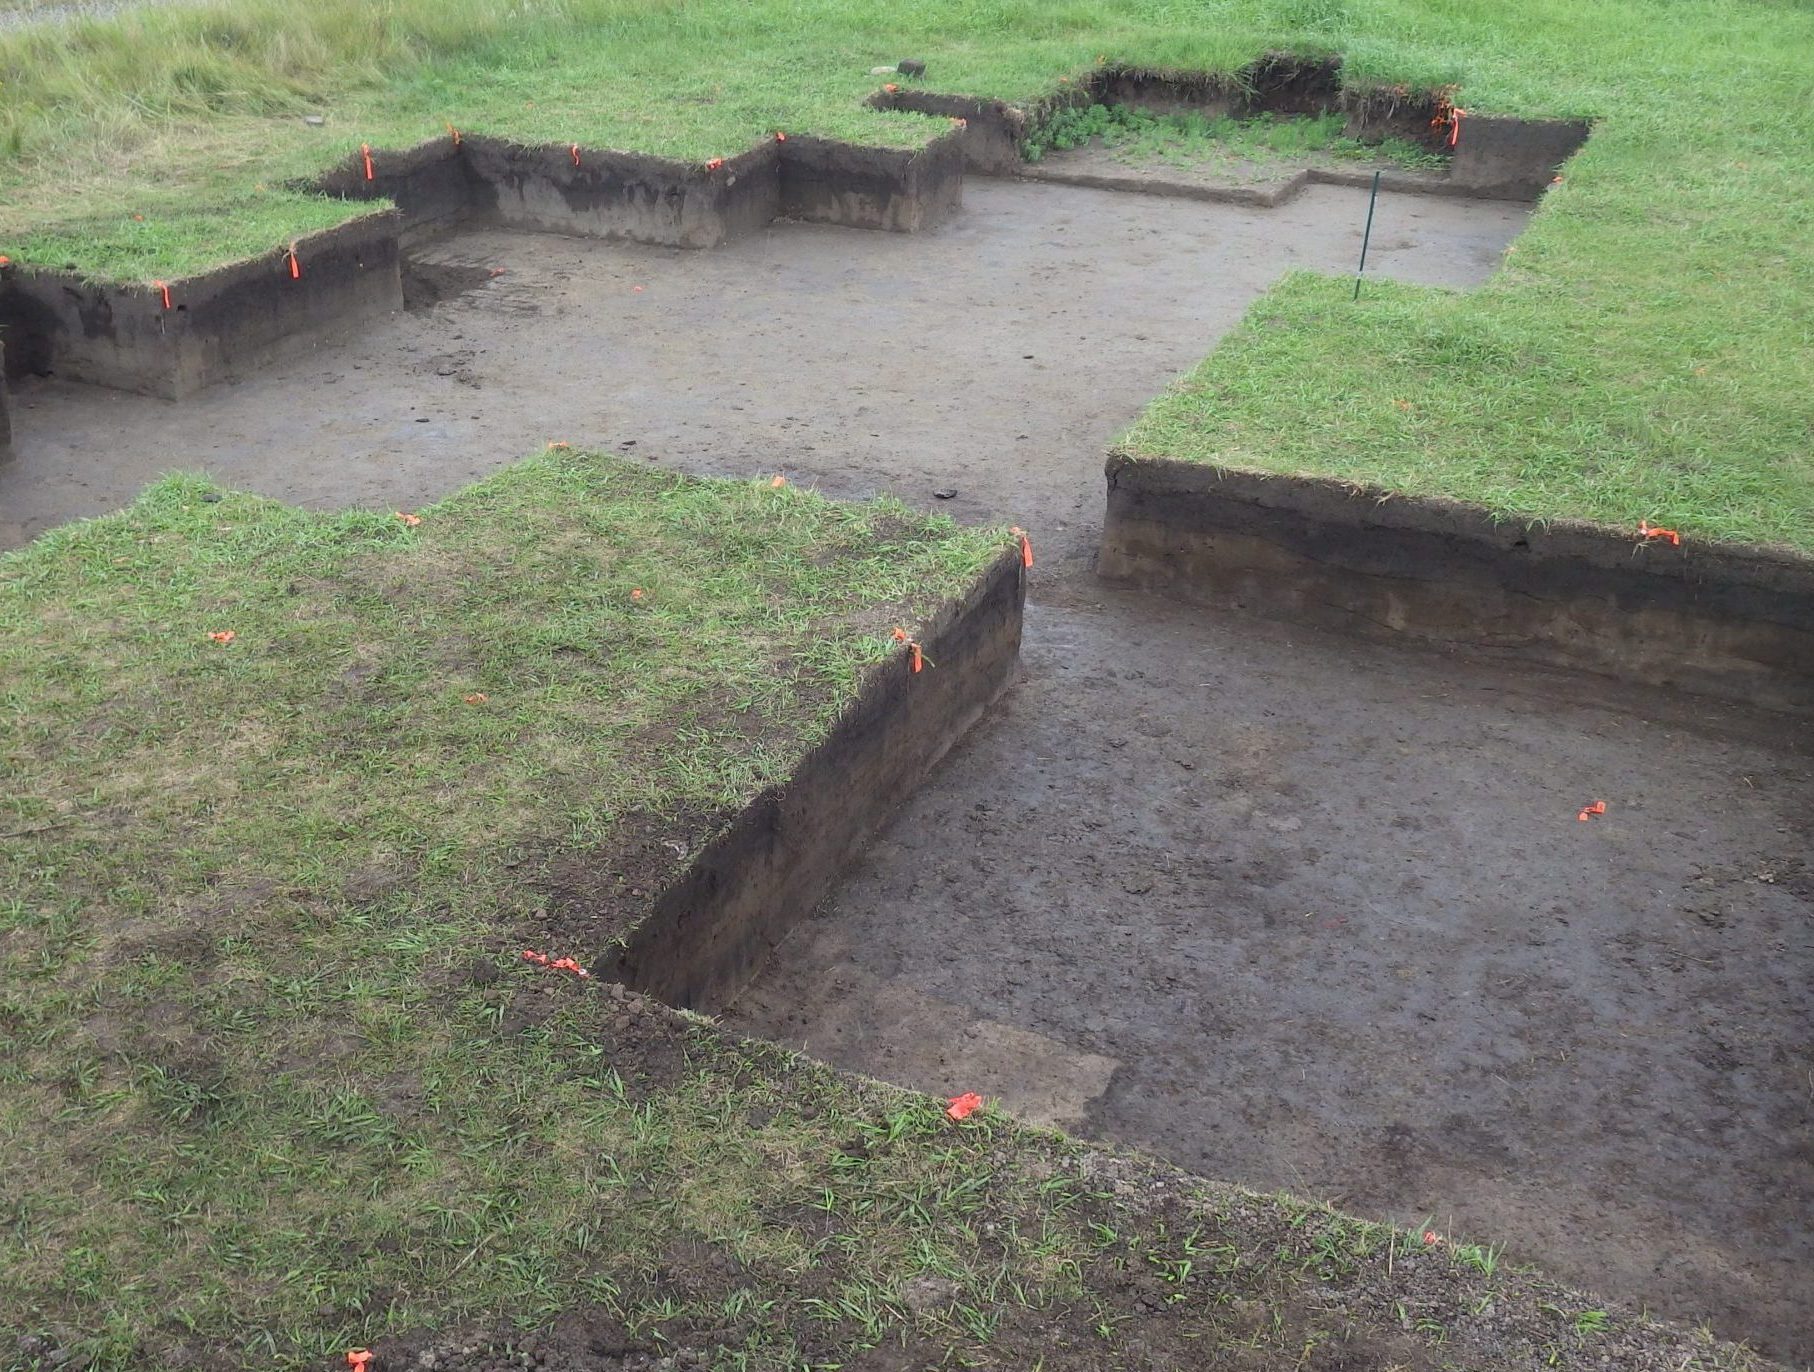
(275, 1081)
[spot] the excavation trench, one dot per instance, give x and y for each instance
(1289, 907)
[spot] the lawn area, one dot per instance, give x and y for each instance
(1642, 355)
(276, 1083)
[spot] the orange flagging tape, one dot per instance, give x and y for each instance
(638, 594)
(5, 261)
(411, 520)
(455, 134)
(960, 123)
(575, 151)
(891, 88)
(555, 964)
(777, 483)
(780, 137)
(1589, 811)
(476, 698)
(916, 660)
(1431, 1238)
(223, 635)
(361, 1359)
(164, 291)
(714, 164)
(557, 446)
(1026, 547)
(1455, 126)
(295, 264)
(1647, 530)
(964, 1106)
(365, 152)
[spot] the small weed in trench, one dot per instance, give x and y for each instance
(1193, 139)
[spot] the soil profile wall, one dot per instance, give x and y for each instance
(6, 421)
(1717, 619)
(903, 190)
(711, 929)
(171, 340)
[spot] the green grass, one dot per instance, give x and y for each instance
(1189, 140)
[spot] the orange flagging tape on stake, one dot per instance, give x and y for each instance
(916, 660)
(964, 1106)
(365, 153)
(164, 291)
(1026, 547)
(295, 264)
(575, 151)
(1647, 530)
(1589, 811)
(555, 964)
(1455, 126)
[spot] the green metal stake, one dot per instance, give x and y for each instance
(1366, 237)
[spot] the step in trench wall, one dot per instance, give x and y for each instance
(213, 327)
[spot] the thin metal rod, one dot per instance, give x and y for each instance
(1366, 237)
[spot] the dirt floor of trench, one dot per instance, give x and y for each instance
(1292, 910)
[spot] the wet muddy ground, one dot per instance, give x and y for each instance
(1292, 910)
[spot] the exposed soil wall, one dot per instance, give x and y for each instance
(1719, 620)
(711, 930)
(993, 130)
(6, 422)
(622, 195)
(431, 184)
(903, 190)
(1513, 159)
(213, 327)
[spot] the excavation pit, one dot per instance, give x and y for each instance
(1406, 975)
